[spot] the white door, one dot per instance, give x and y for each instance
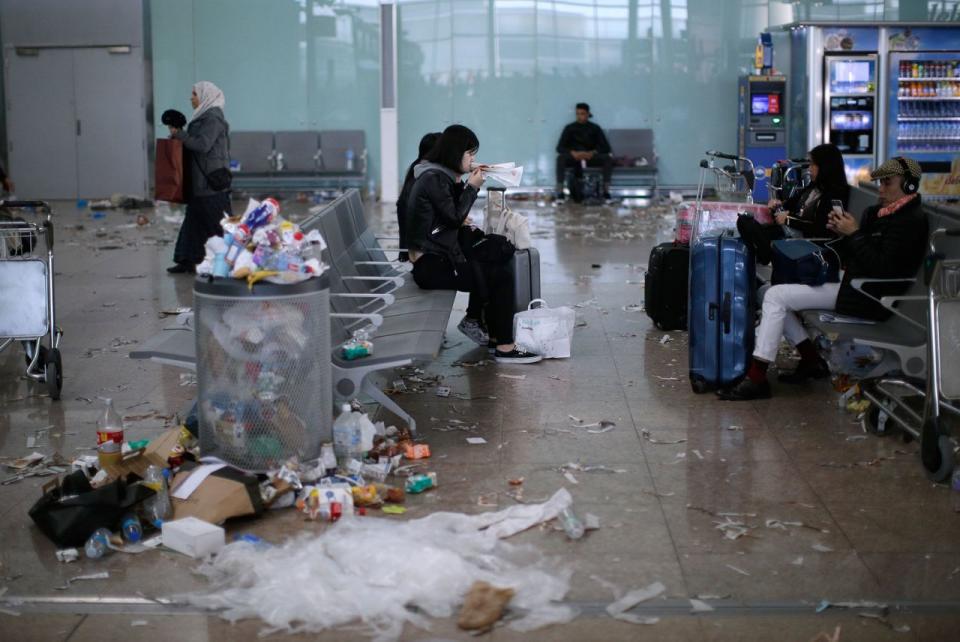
(111, 122)
(41, 127)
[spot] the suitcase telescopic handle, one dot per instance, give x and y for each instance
(725, 312)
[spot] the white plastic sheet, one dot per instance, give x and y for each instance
(377, 571)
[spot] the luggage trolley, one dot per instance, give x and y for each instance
(733, 181)
(26, 288)
(940, 393)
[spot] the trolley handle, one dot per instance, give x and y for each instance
(25, 204)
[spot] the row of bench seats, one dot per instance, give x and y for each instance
(298, 160)
(635, 162)
(367, 289)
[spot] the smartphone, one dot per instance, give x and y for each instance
(837, 206)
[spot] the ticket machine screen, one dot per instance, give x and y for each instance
(764, 104)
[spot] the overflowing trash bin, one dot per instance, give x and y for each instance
(263, 370)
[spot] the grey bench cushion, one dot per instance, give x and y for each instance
(334, 145)
(632, 144)
(299, 149)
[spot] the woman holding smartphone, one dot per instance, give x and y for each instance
(806, 213)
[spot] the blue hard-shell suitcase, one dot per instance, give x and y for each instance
(721, 311)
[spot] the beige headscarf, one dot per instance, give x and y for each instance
(209, 95)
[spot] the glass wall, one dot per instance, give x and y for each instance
(282, 64)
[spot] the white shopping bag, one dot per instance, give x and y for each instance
(544, 330)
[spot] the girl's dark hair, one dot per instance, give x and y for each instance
(426, 144)
(831, 177)
(453, 143)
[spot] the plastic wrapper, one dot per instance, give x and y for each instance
(351, 573)
(358, 346)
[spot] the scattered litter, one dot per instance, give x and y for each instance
(737, 428)
(646, 435)
(139, 623)
(80, 578)
(856, 437)
(667, 378)
(737, 570)
(862, 604)
(68, 555)
(798, 561)
(665, 339)
(699, 606)
(483, 606)
(731, 529)
(618, 609)
(188, 379)
(515, 482)
(443, 391)
(569, 477)
(633, 307)
(131, 276)
(822, 548)
(826, 637)
(393, 509)
(591, 522)
(476, 441)
(697, 453)
(595, 428)
(511, 376)
(446, 552)
(174, 312)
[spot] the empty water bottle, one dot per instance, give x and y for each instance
(571, 523)
(156, 508)
(98, 544)
(349, 159)
(131, 528)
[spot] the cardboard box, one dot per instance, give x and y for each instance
(155, 454)
(224, 494)
(193, 537)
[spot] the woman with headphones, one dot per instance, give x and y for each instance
(889, 242)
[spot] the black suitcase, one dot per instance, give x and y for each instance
(665, 286)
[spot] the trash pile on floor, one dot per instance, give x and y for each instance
(364, 566)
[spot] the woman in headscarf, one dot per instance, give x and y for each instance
(207, 142)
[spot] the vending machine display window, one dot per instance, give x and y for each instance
(850, 77)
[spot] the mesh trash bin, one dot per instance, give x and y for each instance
(263, 370)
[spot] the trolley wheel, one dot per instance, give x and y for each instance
(54, 373)
(936, 452)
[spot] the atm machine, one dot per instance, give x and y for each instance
(762, 128)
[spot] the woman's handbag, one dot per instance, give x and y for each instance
(493, 248)
(804, 262)
(219, 179)
(545, 331)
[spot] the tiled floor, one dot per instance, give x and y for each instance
(869, 532)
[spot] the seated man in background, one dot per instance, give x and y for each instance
(583, 144)
(890, 242)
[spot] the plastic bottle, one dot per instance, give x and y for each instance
(346, 437)
(131, 529)
(955, 487)
(156, 508)
(571, 523)
(98, 544)
(349, 159)
(109, 435)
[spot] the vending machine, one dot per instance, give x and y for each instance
(762, 118)
(850, 103)
(925, 117)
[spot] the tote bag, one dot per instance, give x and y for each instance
(544, 330)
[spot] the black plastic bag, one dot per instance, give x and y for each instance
(69, 512)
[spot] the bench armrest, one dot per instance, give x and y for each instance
(388, 299)
(396, 280)
(375, 319)
(887, 301)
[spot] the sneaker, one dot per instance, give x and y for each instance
(182, 268)
(472, 329)
(746, 390)
(516, 356)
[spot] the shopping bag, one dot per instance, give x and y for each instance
(804, 262)
(169, 172)
(544, 330)
(70, 511)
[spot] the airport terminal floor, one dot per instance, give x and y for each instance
(763, 510)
